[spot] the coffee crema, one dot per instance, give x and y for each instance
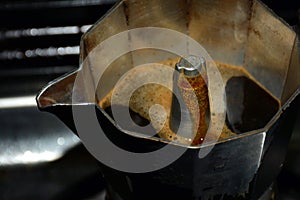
(146, 96)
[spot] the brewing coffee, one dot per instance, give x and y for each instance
(244, 97)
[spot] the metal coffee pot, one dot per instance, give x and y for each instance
(238, 32)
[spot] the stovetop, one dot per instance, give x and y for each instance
(41, 158)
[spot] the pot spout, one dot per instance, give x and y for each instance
(56, 98)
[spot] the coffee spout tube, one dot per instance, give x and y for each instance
(189, 83)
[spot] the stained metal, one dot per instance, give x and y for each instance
(242, 33)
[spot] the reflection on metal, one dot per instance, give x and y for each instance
(34, 149)
(61, 141)
(85, 28)
(47, 52)
(25, 139)
(15, 102)
(32, 32)
(32, 157)
(55, 4)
